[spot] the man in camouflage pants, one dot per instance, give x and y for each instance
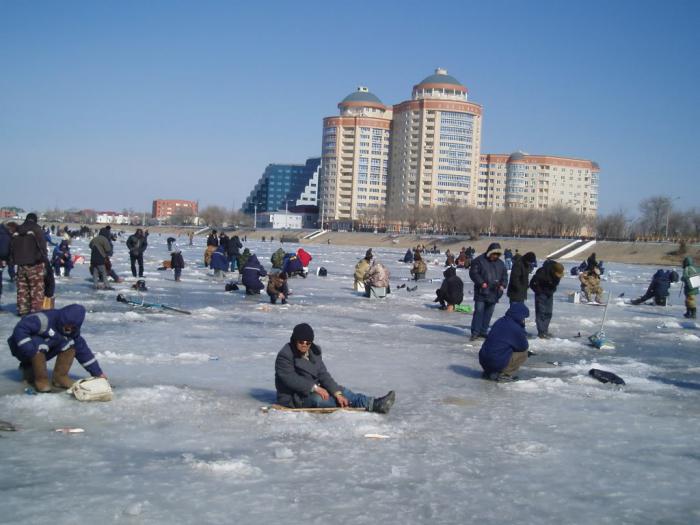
(28, 252)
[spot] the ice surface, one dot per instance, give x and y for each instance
(184, 440)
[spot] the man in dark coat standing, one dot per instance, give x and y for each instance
(28, 252)
(520, 277)
(490, 279)
(505, 348)
(544, 283)
(137, 244)
(451, 291)
(302, 380)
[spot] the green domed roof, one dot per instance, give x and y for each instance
(441, 77)
(362, 95)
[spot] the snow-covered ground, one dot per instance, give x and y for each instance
(185, 441)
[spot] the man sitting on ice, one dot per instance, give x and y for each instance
(302, 381)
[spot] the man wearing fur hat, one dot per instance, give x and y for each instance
(302, 380)
(590, 285)
(490, 277)
(361, 269)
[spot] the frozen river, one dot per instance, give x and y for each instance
(185, 441)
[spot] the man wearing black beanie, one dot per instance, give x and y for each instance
(302, 380)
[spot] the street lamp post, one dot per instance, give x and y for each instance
(255, 216)
(668, 213)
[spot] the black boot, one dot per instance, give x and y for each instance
(382, 405)
(693, 313)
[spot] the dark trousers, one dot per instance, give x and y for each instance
(482, 317)
(178, 272)
(544, 307)
(134, 259)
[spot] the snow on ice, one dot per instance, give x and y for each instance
(185, 441)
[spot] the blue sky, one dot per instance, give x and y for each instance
(109, 105)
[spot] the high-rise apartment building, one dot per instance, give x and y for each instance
(435, 146)
(355, 158)
(537, 182)
(283, 186)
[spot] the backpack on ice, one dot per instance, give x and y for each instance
(322, 272)
(92, 389)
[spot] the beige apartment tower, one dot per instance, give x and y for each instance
(435, 149)
(538, 182)
(355, 159)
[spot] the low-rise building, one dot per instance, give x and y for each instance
(166, 208)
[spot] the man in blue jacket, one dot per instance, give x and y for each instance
(302, 380)
(505, 348)
(251, 273)
(41, 336)
(490, 279)
(658, 288)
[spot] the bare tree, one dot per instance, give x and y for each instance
(654, 214)
(214, 215)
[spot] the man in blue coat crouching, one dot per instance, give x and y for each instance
(41, 336)
(505, 348)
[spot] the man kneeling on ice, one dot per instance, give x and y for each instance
(302, 381)
(41, 336)
(505, 348)
(658, 289)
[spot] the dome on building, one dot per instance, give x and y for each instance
(518, 155)
(362, 95)
(441, 77)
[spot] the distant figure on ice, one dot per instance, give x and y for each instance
(408, 256)
(277, 287)
(690, 289)
(377, 280)
(28, 251)
(292, 266)
(251, 274)
(451, 291)
(658, 288)
(449, 258)
(137, 244)
(219, 261)
(419, 267)
(490, 278)
(505, 348)
(521, 267)
(5, 239)
(590, 285)
(544, 283)
(508, 258)
(302, 380)
(305, 258)
(62, 258)
(233, 249)
(361, 270)
(177, 262)
(277, 258)
(40, 337)
(190, 236)
(100, 251)
(212, 245)
(170, 241)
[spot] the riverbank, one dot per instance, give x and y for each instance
(650, 253)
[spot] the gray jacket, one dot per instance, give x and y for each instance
(295, 376)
